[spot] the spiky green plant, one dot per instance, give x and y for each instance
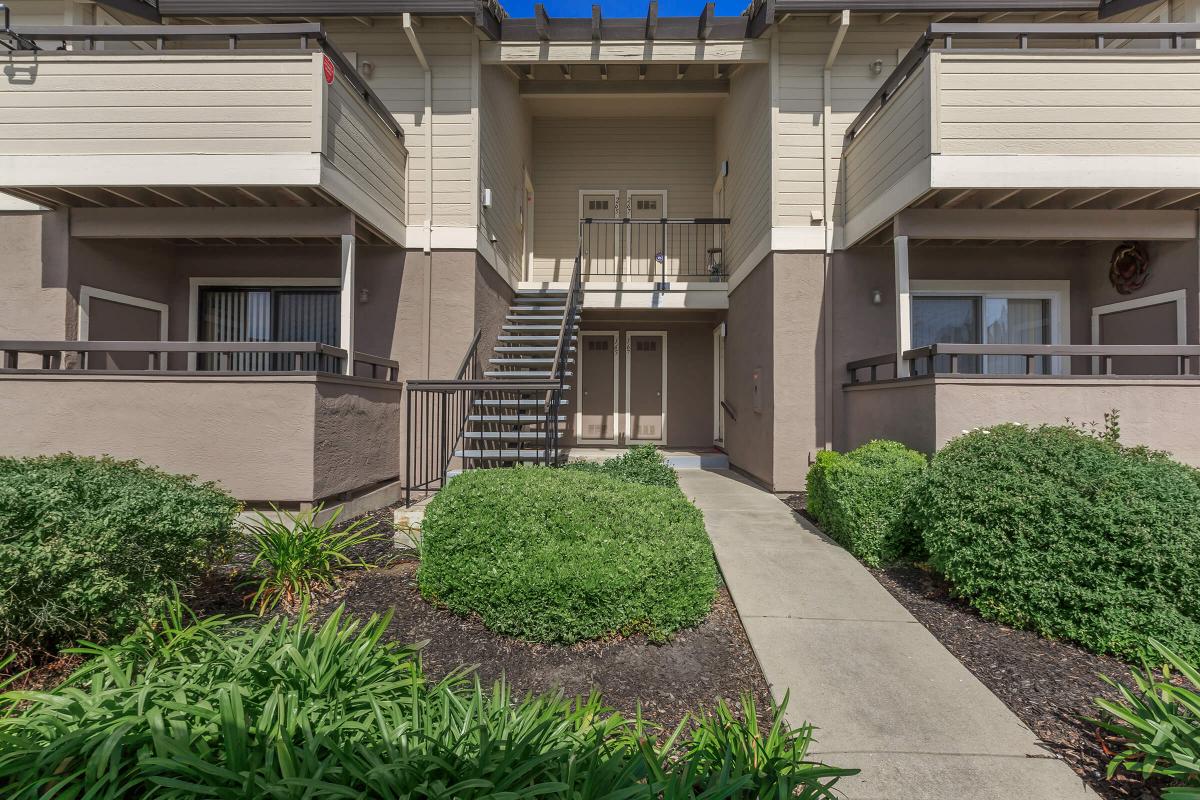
(1160, 724)
(295, 554)
(282, 708)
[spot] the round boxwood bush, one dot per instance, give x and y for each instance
(559, 555)
(1057, 531)
(89, 547)
(860, 499)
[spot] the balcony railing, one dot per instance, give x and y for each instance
(218, 358)
(1024, 361)
(653, 249)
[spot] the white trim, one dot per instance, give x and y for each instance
(904, 296)
(629, 439)
(1057, 292)
(1178, 297)
(1065, 172)
(262, 169)
(616, 410)
(88, 293)
(799, 237)
(195, 284)
(718, 383)
(750, 262)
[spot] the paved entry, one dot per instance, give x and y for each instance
(885, 695)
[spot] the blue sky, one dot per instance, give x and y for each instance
(622, 8)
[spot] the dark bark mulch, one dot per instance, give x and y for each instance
(1049, 685)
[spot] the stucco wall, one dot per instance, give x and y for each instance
(254, 435)
(33, 276)
(749, 363)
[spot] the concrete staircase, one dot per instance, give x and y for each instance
(509, 425)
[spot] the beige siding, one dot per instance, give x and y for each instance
(37, 12)
(400, 83)
(161, 104)
(504, 151)
(362, 149)
(671, 153)
(803, 48)
(1070, 105)
(744, 140)
(893, 142)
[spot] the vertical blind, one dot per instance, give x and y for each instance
(269, 315)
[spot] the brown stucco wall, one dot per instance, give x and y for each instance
(33, 276)
(927, 413)
(254, 435)
(750, 350)
(689, 368)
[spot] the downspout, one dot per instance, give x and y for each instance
(410, 31)
(827, 198)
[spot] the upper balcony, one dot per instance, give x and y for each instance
(197, 115)
(1095, 116)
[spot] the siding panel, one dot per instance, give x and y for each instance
(505, 141)
(744, 140)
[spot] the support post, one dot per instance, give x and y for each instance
(348, 301)
(903, 306)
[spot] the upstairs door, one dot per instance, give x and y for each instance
(646, 387)
(643, 240)
(601, 251)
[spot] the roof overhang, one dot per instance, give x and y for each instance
(919, 6)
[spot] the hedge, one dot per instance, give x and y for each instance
(1063, 533)
(642, 464)
(562, 555)
(860, 499)
(88, 547)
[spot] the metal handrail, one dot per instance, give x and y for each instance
(1022, 33)
(25, 39)
(561, 354)
(52, 352)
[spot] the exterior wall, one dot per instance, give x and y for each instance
(505, 142)
(33, 276)
(689, 371)
(672, 153)
(927, 413)
(743, 138)
(256, 436)
(750, 345)
(451, 46)
(369, 156)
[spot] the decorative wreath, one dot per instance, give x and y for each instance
(1130, 267)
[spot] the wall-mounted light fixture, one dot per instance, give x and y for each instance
(366, 68)
(877, 66)
(876, 297)
(486, 200)
(364, 295)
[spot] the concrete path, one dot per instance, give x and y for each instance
(884, 694)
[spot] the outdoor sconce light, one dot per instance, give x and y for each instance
(364, 295)
(876, 297)
(366, 69)
(877, 67)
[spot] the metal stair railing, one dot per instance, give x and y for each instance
(558, 371)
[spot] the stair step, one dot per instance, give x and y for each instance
(545, 299)
(514, 402)
(536, 337)
(537, 327)
(538, 317)
(507, 436)
(516, 361)
(521, 374)
(512, 419)
(534, 309)
(541, 293)
(532, 348)
(514, 454)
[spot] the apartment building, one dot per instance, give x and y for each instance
(319, 249)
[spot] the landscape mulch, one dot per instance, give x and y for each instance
(1049, 685)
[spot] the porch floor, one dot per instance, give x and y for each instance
(885, 696)
(677, 457)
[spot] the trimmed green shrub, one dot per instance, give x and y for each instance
(1077, 538)
(284, 709)
(640, 464)
(561, 555)
(860, 499)
(1159, 724)
(88, 547)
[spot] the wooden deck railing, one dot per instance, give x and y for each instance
(303, 357)
(923, 361)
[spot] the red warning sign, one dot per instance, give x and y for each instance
(328, 69)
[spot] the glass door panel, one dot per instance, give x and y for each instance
(945, 319)
(1008, 320)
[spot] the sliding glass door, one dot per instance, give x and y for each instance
(944, 318)
(268, 314)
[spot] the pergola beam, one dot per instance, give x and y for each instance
(651, 20)
(1064, 224)
(541, 22)
(226, 222)
(706, 25)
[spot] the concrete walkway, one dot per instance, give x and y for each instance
(884, 694)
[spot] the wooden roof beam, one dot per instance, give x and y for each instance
(541, 21)
(706, 21)
(651, 19)
(595, 23)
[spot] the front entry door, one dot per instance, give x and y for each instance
(646, 387)
(597, 419)
(643, 241)
(601, 250)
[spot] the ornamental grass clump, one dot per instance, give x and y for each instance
(559, 555)
(288, 709)
(91, 546)
(1073, 536)
(860, 498)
